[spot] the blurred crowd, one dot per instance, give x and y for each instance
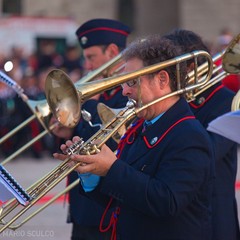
(30, 73)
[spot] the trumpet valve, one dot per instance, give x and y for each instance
(74, 149)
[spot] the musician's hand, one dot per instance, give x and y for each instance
(61, 131)
(98, 164)
(62, 156)
(64, 147)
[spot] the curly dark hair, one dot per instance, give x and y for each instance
(188, 41)
(153, 50)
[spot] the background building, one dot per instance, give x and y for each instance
(206, 17)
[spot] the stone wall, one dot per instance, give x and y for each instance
(206, 17)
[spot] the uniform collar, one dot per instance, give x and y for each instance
(206, 95)
(149, 122)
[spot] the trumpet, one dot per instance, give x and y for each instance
(94, 144)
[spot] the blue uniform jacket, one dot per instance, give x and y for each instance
(162, 181)
(82, 210)
(211, 104)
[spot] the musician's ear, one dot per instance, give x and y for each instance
(163, 78)
(112, 49)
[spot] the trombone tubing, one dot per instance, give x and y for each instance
(90, 89)
(90, 76)
(38, 191)
(28, 144)
(16, 129)
(67, 189)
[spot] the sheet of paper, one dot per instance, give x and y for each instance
(5, 194)
(227, 125)
(10, 188)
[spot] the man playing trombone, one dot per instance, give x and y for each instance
(160, 181)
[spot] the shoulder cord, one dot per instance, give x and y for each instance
(112, 222)
(114, 216)
(130, 133)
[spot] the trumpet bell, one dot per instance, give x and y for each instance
(63, 98)
(107, 114)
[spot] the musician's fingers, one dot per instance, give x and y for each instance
(59, 156)
(76, 139)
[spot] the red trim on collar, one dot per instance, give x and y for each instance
(104, 29)
(210, 95)
(167, 131)
(130, 133)
(113, 92)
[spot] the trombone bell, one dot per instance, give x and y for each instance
(63, 99)
(42, 111)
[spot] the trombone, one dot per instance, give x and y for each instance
(41, 108)
(40, 111)
(59, 87)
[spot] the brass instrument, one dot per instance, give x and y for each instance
(41, 109)
(231, 64)
(65, 99)
(59, 88)
(115, 116)
(220, 72)
(106, 114)
(108, 69)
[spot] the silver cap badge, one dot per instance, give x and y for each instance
(84, 40)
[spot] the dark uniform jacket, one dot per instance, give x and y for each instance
(162, 181)
(208, 106)
(83, 210)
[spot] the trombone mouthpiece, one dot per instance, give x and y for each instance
(131, 103)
